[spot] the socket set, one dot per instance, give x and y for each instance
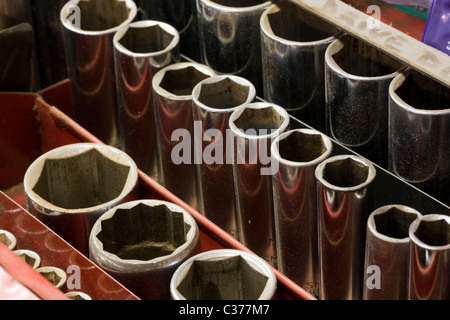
(353, 114)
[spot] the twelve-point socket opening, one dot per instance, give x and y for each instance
(102, 15)
(143, 232)
(345, 173)
(256, 121)
(181, 82)
(302, 147)
(293, 23)
(81, 181)
(146, 39)
(394, 222)
(223, 94)
(228, 278)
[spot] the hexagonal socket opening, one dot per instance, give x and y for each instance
(223, 94)
(7, 239)
(293, 23)
(56, 276)
(78, 296)
(433, 233)
(259, 121)
(422, 92)
(302, 147)
(82, 181)
(394, 223)
(30, 258)
(222, 279)
(146, 39)
(181, 82)
(102, 15)
(143, 232)
(239, 3)
(345, 173)
(359, 58)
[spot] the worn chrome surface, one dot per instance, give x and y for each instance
(298, 152)
(141, 243)
(214, 100)
(419, 133)
(429, 276)
(254, 128)
(345, 201)
(88, 30)
(357, 77)
(140, 50)
(387, 253)
(69, 187)
(293, 44)
(224, 274)
(230, 37)
(172, 91)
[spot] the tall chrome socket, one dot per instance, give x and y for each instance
(88, 30)
(387, 252)
(297, 153)
(224, 274)
(172, 91)
(141, 243)
(214, 100)
(230, 37)
(140, 50)
(429, 274)
(293, 44)
(180, 14)
(419, 133)
(70, 187)
(254, 127)
(357, 77)
(345, 201)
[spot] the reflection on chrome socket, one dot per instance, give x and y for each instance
(357, 77)
(141, 243)
(88, 45)
(224, 274)
(387, 248)
(181, 14)
(254, 127)
(214, 100)
(230, 37)
(69, 187)
(140, 50)
(345, 200)
(298, 152)
(429, 275)
(419, 133)
(293, 49)
(172, 91)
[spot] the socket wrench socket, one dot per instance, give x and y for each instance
(224, 274)
(298, 153)
(141, 243)
(70, 187)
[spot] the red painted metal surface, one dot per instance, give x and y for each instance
(46, 128)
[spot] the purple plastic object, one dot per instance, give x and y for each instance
(437, 29)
